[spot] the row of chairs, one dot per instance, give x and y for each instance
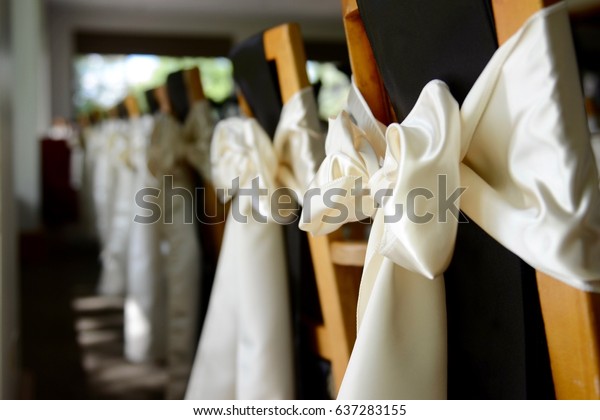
(571, 317)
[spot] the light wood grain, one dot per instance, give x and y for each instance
(162, 97)
(284, 45)
(243, 104)
(364, 66)
(510, 15)
(132, 107)
(572, 320)
(319, 338)
(337, 302)
(193, 85)
(349, 253)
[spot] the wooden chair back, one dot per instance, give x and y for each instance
(571, 317)
(337, 262)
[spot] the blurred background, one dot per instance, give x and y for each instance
(60, 59)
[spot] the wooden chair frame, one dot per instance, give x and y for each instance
(131, 105)
(162, 97)
(337, 263)
(571, 317)
(193, 83)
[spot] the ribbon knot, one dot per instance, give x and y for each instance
(522, 151)
(244, 156)
(403, 181)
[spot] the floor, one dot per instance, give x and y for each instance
(72, 339)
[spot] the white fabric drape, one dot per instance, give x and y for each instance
(144, 318)
(408, 322)
(103, 177)
(112, 192)
(165, 255)
(245, 351)
(174, 235)
(520, 147)
(91, 136)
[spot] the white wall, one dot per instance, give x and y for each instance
(9, 336)
(31, 104)
(24, 115)
(65, 20)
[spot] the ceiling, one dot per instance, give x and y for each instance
(308, 9)
(300, 8)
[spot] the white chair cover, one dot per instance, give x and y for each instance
(113, 181)
(245, 351)
(144, 324)
(520, 147)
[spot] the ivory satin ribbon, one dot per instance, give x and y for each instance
(177, 240)
(520, 147)
(113, 191)
(245, 351)
(144, 333)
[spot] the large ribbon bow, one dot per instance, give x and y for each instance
(519, 147)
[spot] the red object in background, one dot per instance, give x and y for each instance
(59, 199)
